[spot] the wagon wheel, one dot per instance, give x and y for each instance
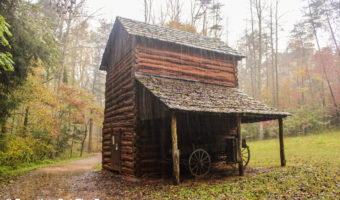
(245, 156)
(199, 163)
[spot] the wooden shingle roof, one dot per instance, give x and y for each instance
(176, 36)
(203, 97)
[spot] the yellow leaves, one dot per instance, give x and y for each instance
(302, 89)
(51, 114)
(318, 77)
(181, 26)
(299, 70)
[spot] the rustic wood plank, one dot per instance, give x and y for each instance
(168, 73)
(224, 67)
(106, 148)
(187, 73)
(128, 157)
(107, 142)
(106, 136)
(106, 160)
(282, 148)
(175, 151)
(239, 137)
(126, 143)
(108, 167)
(107, 153)
(127, 171)
(199, 58)
(128, 164)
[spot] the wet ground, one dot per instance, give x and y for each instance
(52, 182)
(78, 180)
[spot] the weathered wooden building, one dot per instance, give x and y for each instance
(167, 91)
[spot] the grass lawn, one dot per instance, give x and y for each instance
(7, 174)
(312, 172)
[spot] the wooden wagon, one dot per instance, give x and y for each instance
(199, 157)
(164, 90)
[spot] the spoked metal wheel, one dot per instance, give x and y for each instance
(199, 163)
(245, 156)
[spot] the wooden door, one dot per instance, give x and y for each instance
(115, 152)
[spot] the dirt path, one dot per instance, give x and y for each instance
(74, 180)
(52, 182)
(78, 180)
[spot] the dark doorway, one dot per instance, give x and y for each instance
(115, 151)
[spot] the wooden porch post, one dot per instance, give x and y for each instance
(175, 151)
(282, 147)
(239, 153)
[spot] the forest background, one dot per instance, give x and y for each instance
(52, 92)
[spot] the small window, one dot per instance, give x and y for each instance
(113, 139)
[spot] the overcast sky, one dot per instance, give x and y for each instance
(235, 13)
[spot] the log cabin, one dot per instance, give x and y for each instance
(169, 92)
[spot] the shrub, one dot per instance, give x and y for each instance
(23, 150)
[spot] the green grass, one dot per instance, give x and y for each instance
(313, 171)
(322, 147)
(8, 174)
(98, 167)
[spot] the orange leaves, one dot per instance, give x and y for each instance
(79, 105)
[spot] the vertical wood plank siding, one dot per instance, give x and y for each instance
(118, 45)
(156, 61)
(152, 139)
(120, 114)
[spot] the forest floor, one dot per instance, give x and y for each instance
(312, 172)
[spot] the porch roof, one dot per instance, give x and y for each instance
(184, 95)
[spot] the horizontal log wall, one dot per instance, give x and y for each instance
(185, 65)
(120, 114)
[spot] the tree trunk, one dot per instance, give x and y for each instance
(204, 31)
(146, 11)
(89, 149)
(276, 53)
(75, 55)
(72, 141)
(69, 5)
(253, 63)
(267, 68)
(259, 65)
(83, 141)
(2, 135)
(331, 30)
(322, 63)
(272, 57)
(25, 122)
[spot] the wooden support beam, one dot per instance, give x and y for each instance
(239, 137)
(282, 147)
(175, 151)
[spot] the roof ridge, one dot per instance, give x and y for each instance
(171, 35)
(186, 32)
